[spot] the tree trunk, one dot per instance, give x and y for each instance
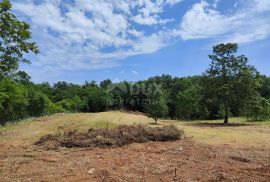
(155, 120)
(226, 118)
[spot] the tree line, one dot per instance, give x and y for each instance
(229, 87)
(186, 98)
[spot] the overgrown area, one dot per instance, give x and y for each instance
(117, 137)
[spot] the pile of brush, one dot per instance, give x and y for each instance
(117, 137)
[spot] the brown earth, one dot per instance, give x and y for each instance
(183, 160)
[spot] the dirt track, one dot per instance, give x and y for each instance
(183, 160)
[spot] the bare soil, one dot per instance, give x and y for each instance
(183, 160)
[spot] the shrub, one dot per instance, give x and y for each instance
(73, 104)
(52, 108)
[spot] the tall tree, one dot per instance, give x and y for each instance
(230, 78)
(14, 40)
(105, 83)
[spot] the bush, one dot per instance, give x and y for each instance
(52, 108)
(40, 104)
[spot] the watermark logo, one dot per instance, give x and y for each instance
(132, 94)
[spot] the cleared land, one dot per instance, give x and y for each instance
(210, 152)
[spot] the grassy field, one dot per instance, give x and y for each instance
(239, 134)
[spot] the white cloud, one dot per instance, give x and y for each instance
(244, 25)
(215, 4)
(262, 5)
(80, 35)
(203, 22)
(134, 72)
(84, 35)
(149, 20)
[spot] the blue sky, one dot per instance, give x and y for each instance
(134, 39)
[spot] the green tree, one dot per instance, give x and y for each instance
(45, 88)
(37, 103)
(14, 40)
(188, 103)
(265, 90)
(257, 108)
(105, 83)
(96, 99)
(64, 90)
(74, 104)
(230, 79)
(156, 107)
(13, 100)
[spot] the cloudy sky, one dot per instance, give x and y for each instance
(133, 39)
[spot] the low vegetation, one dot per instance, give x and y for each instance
(117, 137)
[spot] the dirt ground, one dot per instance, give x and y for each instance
(183, 160)
(189, 159)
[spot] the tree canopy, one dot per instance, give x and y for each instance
(156, 106)
(230, 79)
(14, 40)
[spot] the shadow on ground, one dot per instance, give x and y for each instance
(205, 124)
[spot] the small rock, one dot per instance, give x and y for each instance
(241, 159)
(91, 171)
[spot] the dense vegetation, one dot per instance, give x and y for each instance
(182, 98)
(230, 87)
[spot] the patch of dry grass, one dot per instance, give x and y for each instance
(239, 133)
(243, 135)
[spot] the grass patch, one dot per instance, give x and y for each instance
(15, 124)
(102, 124)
